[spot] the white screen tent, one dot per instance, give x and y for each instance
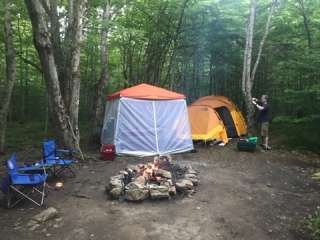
(145, 120)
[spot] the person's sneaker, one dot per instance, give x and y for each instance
(265, 147)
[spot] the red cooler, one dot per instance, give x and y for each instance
(107, 152)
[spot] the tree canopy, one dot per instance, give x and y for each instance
(195, 47)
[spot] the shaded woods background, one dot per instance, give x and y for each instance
(191, 46)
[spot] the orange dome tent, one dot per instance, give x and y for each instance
(215, 118)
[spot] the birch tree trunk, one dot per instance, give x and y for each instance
(98, 105)
(10, 57)
(248, 76)
(46, 51)
(72, 47)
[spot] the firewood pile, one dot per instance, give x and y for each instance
(161, 179)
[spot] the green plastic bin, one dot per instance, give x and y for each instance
(248, 144)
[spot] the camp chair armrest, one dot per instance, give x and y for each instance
(23, 174)
(65, 150)
(61, 153)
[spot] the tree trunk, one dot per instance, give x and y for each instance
(169, 79)
(248, 76)
(10, 56)
(72, 47)
(44, 47)
(266, 32)
(305, 22)
(98, 105)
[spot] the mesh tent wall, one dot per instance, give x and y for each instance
(145, 120)
(217, 104)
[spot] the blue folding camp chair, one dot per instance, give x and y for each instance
(18, 186)
(55, 157)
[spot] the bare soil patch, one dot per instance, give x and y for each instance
(250, 196)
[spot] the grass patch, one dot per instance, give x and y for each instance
(311, 226)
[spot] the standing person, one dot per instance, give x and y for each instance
(263, 119)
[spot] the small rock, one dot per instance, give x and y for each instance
(59, 219)
(122, 172)
(193, 178)
(172, 190)
(48, 234)
(34, 227)
(46, 215)
(163, 173)
(115, 193)
(136, 192)
(198, 208)
(191, 171)
(55, 225)
(116, 181)
(269, 185)
(184, 184)
(16, 224)
(283, 217)
(31, 223)
(159, 192)
(141, 180)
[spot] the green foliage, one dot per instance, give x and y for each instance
(198, 56)
(312, 226)
(292, 120)
(296, 135)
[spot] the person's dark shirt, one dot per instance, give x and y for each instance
(263, 115)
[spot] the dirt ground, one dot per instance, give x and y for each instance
(251, 196)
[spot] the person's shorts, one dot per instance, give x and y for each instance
(264, 129)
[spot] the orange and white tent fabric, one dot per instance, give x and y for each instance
(146, 120)
(215, 118)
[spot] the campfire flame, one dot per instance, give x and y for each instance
(148, 171)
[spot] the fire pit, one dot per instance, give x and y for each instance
(160, 179)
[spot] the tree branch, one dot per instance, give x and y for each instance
(266, 32)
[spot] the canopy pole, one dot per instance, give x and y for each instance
(115, 138)
(155, 124)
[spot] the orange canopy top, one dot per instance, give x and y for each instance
(146, 91)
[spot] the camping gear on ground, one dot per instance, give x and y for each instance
(18, 186)
(107, 152)
(215, 118)
(145, 120)
(56, 158)
(248, 144)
